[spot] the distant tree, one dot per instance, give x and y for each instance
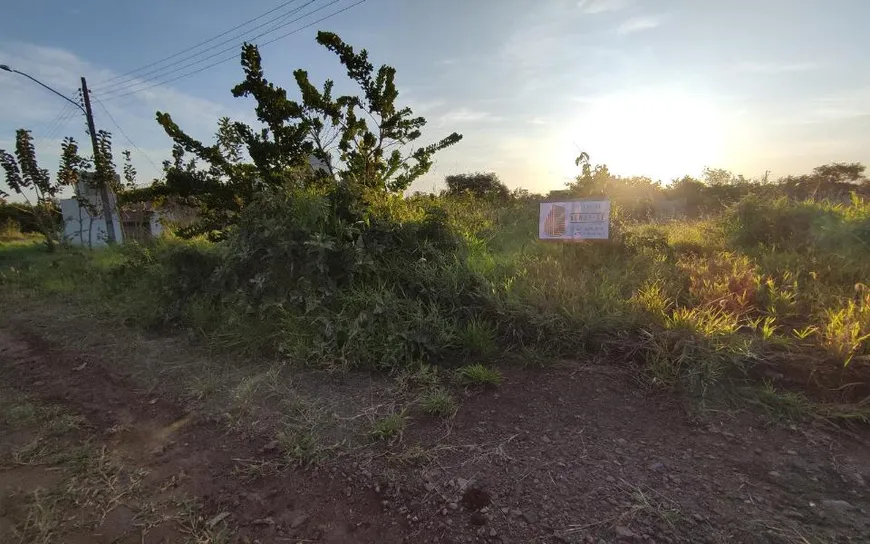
(481, 185)
(34, 185)
(840, 172)
(359, 142)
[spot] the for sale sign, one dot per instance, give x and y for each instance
(574, 220)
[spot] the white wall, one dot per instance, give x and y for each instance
(79, 228)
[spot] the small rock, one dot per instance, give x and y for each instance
(774, 474)
(263, 521)
(657, 467)
(217, 519)
(516, 512)
(840, 506)
(271, 446)
(624, 533)
(791, 452)
(493, 533)
(461, 483)
(530, 517)
(453, 506)
(545, 439)
(298, 520)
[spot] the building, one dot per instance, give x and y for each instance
(83, 221)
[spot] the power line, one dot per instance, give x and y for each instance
(235, 55)
(192, 47)
(124, 134)
(135, 80)
(50, 127)
(62, 122)
(232, 48)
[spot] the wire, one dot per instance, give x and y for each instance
(50, 127)
(121, 130)
(63, 121)
(235, 55)
(234, 39)
(232, 48)
(191, 48)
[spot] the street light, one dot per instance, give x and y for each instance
(5, 67)
(86, 109)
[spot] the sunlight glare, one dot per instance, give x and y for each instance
(662, 134)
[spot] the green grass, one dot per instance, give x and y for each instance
(479, 375)
(389, 427)
(694, 303)
(438, 402)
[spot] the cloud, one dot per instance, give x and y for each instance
(467, 115)
(594, 7)
(638, 24)
(772, 68)
(24, 105)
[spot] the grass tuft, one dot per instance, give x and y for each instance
(479, 375)
(438, 402)
(389, 427)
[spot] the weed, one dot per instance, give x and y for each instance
(783, 405)
(42, 521)
(421, 376)
(299, 445)
(205, 385)
(478, 337)
(438, 402)
(846, 330)
(389, 427)
(200, 530)
(479, 375)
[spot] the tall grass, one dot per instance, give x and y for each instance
(451, 281)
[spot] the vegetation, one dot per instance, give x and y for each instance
(478, 375)
(332, 266)
(27, 179)
(438, 402)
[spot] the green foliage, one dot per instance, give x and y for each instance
(357, 143)
(478, 375)
(481, 185)
(28, 180)
(389, 427)
(438, 402)
(478, 337)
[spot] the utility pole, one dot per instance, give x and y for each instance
(103, 184)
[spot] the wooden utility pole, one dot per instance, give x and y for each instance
(103, 184)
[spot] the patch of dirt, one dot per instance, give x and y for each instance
(185, 456)
(569, 453)
(581, 453)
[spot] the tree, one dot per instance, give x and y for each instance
(481, 185)
(353, 147)
(840, 172)
(27, 179)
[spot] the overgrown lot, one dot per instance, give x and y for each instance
(770, 291)
(332, 265)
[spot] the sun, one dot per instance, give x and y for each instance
(660, 133)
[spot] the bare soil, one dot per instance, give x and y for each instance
(574, 452)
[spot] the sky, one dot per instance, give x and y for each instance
(661, 88)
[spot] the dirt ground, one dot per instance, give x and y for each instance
(111, 435)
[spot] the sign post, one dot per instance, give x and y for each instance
(574, 220)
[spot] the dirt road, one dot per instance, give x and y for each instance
(97, 447)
